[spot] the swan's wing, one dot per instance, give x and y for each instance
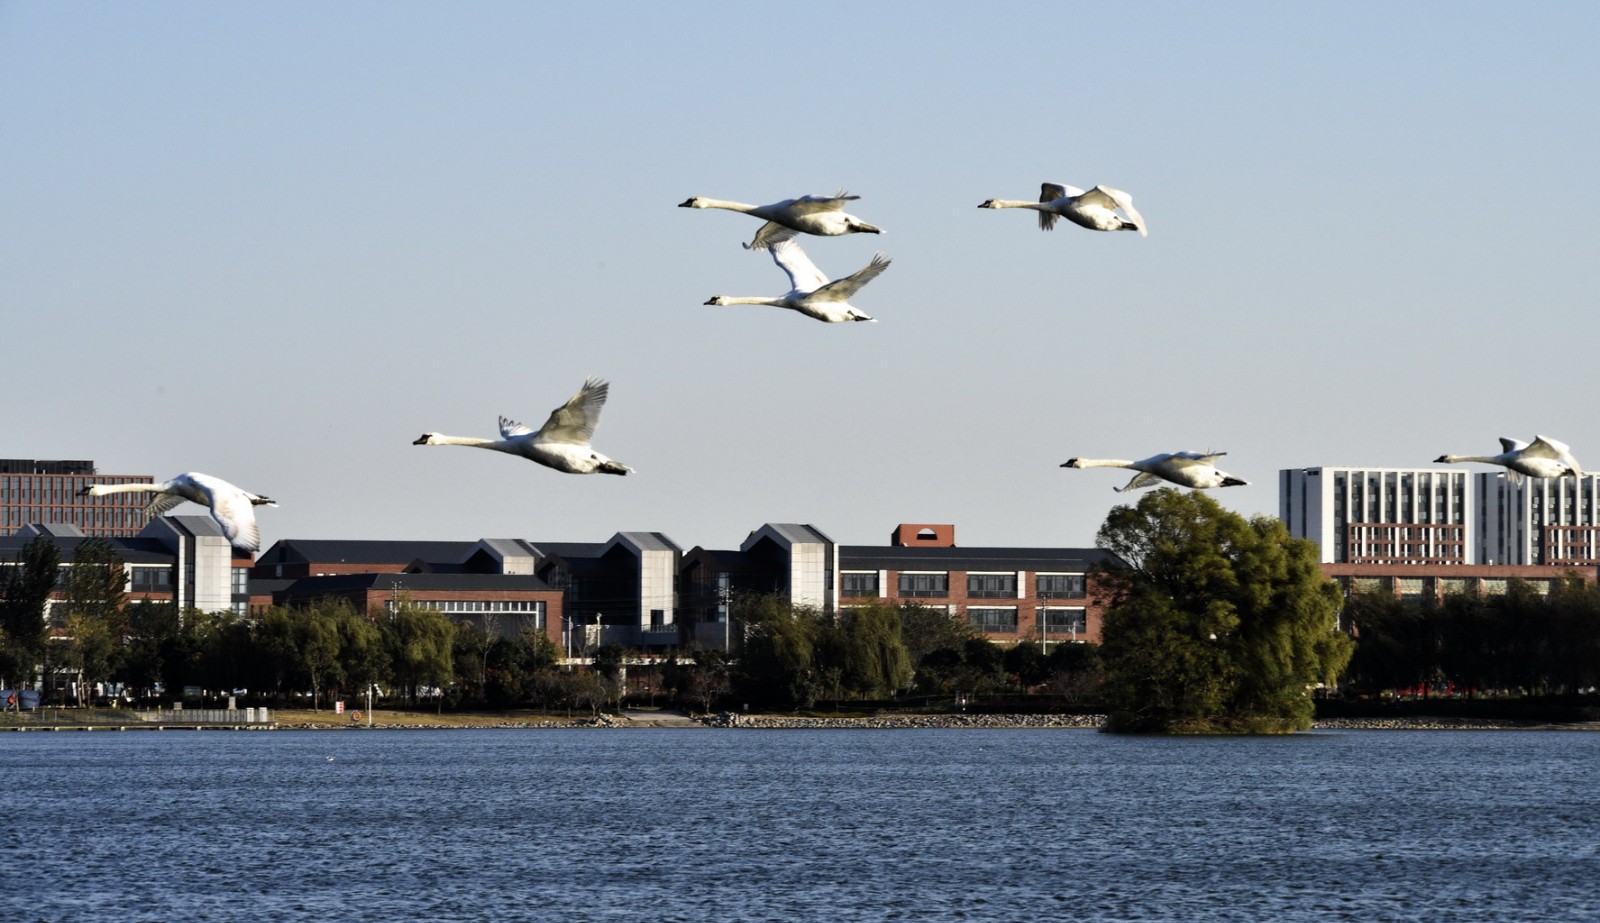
(1050, 192)
(1116, 198)
(510, 428)
(1187, 459)
(574, 421)
(804, 276)
(1142, 479)
(236, 515)
(1507, 444)
(843, 289)
(160, 503)
(770, 233)
(1544, 447)
(811, 204)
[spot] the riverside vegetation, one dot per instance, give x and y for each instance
(1216, 624)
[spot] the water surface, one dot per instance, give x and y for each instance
(691, 825)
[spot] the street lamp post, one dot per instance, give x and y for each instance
(1044, 621)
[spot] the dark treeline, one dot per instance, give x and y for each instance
(1521, 643)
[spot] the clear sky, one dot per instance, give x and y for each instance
(275, 242)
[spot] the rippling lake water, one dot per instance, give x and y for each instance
(692, 825)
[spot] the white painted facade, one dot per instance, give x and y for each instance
(1381, 515)
(1549, 521)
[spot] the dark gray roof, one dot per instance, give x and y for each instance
(724, 556)
(364, 551)
(430, 583)
(796, 533)
(649, 541)
(896, 557)
(570, 549)
(131, 550)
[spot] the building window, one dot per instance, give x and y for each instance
(864, 583)
(1058, 622)
(1061, 586)
(241, 580)
(924, 585)
(152, 580)
(992, 586)
(993, 621)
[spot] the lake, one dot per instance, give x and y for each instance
(741, 825)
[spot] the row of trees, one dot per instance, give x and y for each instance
(1519, 643)
(791, 657)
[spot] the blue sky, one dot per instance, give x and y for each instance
(276, 242)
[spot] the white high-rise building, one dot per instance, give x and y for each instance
(1381, 515)
(1548, 521)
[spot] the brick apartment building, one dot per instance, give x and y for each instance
(46, 491)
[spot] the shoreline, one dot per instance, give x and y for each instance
(404, 720)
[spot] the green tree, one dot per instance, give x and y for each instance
(871, 656)
(317, 644)
(777, 659)
(25, 589)
(153, 629)
(275, 659)
(92, 610)
(363, 654)
(419, 643)
(1217, 624)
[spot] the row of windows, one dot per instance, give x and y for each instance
(990, 586)
(1418, 587)
(1004, 620)
(463, 606)
(23, 515)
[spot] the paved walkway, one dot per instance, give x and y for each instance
(660, 719)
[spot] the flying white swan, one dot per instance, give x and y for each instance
(1095, 209)
(810, 292)
(561, 443)
(812, 214)
(231, 507)
(1542, 458)
(1188, 469)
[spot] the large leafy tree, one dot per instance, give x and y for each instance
(1218, 623)
(93, 610)
(777, 661)
(419, 645)
(24, 593)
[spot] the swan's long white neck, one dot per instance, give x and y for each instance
(1013, 203)
(769, 302)
(724, 203)
(1104, 463)
(1486, 459)
(100, 490)
(473, 441)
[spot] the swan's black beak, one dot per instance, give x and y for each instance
(421, 440)
(1234, 482)
(1440, 460)
(83, 492)
(687, 203)
(987, 204)
(1071, 462)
